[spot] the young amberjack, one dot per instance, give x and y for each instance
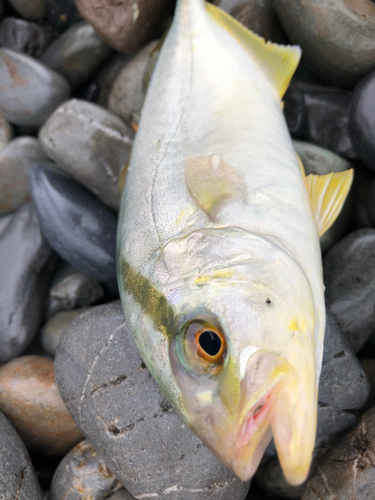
(219, 262)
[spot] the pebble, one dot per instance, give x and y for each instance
(108, 74)
(121, 495)
(4, 221)
(6, 132)
(259, 16)
(17, 476)
(128, 92)
(26, 263)
(30, 9)
(61, 14)
(82, 474)
(24, 36)
(55, 327)
(349, 277)
(91, 144)
(76, 54)
(30, 399)
(321, 161)
(30, 91)
(343, 391)
(123, 413)
(71, 289)
(125, 26)
(368, 366)
(15, 161)
(78, 226)
(362, 120)
(336, 36)
(348, 472)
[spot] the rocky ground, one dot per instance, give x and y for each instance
(80, 416)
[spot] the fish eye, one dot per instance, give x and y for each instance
(204, 346)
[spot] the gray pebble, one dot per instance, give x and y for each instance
(121, 495)
(24, 36)
(55, 327)
(91, 144)
(82, 474)
(108, 74)
(321, 161)
(31, 9)
(6, 132)
(17, 476)
(71, 289)
(25, 267)
(123, 413)
(349, 277)
(30, 91)
(76, 54)
(129, 89)
(348, 472)
(15, 160)
(4, 221)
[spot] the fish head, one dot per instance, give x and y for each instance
(243, 353)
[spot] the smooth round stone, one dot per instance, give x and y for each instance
(61, 14)
(71, 289)
(55, 327)
(4, 221)
(17, 476)
(336, 36)
(24, 36)
(121, 495)
(320, 161)
(31, 9)
(91, 144)
(108, 74)
(30, 91)
(295, 110)
(30, 399)
(362, 120)
(76, 54)
(125, 26)
(128, 92)
(348, 472)
(82, 474)
(15, 161)
(6, 132)
(368, 366)
(78, 226)
(26, 264)
(123, 413)
(349, 277)
(369, 201)
(257, 15)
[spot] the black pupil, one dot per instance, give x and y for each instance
(210, 342)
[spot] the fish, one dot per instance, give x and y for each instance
(219, 263)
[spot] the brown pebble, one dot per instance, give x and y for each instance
(30, 399)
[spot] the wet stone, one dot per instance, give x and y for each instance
(78, 226)
(6, 132)
(91, 144)
(295, 110)
(349, 277)
(15, 160)
(362, 120)
(30, 399)
(125, 26)
(61, 14)
(123, 413)
(321, 161)
(108, 74)
(129, 88)
(76, 54)
(24, 36)
(4, 221)
(25, 267)
(55, 327)
(336, 36)
(368, 366)
(17, 475)
(30, 9)
(82, 474)
(30, 91)
(348, 472)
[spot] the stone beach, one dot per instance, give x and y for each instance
(81, 418)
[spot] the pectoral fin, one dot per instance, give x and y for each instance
(211, 181)
(278, 62)
(327, 196)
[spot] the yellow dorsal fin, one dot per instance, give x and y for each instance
(212, 181)
(327, 196)
(277, 62)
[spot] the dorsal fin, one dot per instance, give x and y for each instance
(277, 62)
